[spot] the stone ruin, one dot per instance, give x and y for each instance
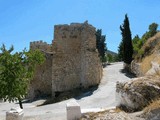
(71, 61)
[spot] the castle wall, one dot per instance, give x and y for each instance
(75, 58)
(71, 61)
(40, 45)
(41, 85)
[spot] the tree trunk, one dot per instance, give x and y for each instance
(20, 103)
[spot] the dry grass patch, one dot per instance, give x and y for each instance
(154, 105)
(146, 63)
(151, 51)
(152, 43)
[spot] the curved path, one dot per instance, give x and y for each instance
(103, 97)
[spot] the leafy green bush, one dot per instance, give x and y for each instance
(16, 71)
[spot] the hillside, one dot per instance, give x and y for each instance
(143, 93)
(111, 52)
(150, 54)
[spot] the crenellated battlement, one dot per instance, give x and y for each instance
(75, 25)
(40, 45)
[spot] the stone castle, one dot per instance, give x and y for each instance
(71, 61)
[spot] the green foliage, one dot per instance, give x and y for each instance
(104, 59)
(100, 44)
(140, 52)
(115, 58)
(110, 58)
(120, 52)
(152, 31)
(139, 42)
(16, 71)
(126, 48)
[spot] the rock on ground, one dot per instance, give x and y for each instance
(138, 93)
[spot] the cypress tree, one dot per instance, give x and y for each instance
(127, 41)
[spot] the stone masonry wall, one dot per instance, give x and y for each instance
(75, 57)
(40, 45)
(71, 61)
(41, 85)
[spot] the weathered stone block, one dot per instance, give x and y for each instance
(154, 70)
(135, 68)
(73, 110)
(15, 114)
(138, 93)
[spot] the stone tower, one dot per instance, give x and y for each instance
(75, 58)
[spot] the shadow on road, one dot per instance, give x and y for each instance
(87, 92)
(127, 73)
(77, 93)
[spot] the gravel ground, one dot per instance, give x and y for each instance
(113, 115)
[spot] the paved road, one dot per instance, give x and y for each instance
(103, 97)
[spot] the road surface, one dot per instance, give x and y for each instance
(102, 97)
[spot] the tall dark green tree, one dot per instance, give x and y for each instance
(153, 29)
(16, 71)
(101, 45)
(120, 52)
(126, 41)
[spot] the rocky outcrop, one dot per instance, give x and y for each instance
(112, 114)
(152, 112)
(155, 69)
(71, 60)
(138, 93)
(151, 55)
(135, 68)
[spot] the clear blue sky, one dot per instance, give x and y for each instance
(23, 21)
